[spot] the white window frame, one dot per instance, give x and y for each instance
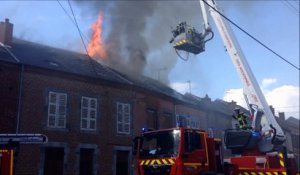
(190, 121)
(57, 109)
(121, 120)
(89, 111)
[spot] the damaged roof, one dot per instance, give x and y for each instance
(47, 57)
(34, 54)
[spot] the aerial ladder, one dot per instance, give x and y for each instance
(264, 141)
(257, 149)
(264, 133)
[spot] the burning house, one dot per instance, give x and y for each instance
(89, 111)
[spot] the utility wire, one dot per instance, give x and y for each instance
(79, 31)
(72, 20)
(291, 5)
(286, 107)
(90, 58)
(285, 3)
(251, 36)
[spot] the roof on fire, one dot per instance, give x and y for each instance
(42, 56)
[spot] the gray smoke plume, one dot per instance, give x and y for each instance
(139, 33)
(137, 42)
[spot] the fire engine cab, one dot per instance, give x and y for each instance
(177, 151)
(186, 151)
(9, 146)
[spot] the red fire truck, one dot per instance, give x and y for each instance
(6, 161)
(185, 151)
(9, 144)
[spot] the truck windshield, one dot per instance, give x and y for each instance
(160, 144)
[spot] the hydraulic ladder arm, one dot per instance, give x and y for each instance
(263, 119)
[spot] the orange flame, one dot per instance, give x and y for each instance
(96, 46)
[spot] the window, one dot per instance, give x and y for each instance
(152, 119)
(165, 121)
(192, 141)
(57, 110)
(182, 121)
(54, 161)
(190, 121)
(123, 118)
(86, 162)
(88, 113)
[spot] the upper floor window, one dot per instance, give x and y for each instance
(57, 107)
(88, 113)
(123, 118)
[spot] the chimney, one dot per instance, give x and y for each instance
(6, 32)
(272, 110)
(232, 104)
(281, 116)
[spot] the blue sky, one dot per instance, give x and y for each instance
(275, 23)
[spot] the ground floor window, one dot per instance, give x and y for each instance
(122, 163)
(122, 160)
(54, 161)
(86, 163)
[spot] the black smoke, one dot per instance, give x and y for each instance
(139, 31)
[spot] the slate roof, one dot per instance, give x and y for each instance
(34, 54)
(293, 122)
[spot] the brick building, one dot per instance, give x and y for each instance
(89, 112)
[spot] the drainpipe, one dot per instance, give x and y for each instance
(19, 98)
(175, 113)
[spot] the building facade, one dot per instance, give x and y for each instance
(90, 113)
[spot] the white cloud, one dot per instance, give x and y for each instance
(284, 98)
(268, 81)
(235, 95)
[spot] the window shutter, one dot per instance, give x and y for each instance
(88, 113)
(123, 118)
(62, 110)
(84, 113)
(92, 114)
(93, 103)
(52, 97)
(57, 110)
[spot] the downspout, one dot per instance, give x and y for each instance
(175, 113)
(20, 98)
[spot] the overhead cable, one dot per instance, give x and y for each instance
(72, 20)
(77, 26)
(292, 6)
(251, 36)
(81, 34)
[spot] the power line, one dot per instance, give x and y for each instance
(72, 20)
(90, 58)
(285, 3)
(286, 107)
(291, 5)
(79, 31)
(251, 36)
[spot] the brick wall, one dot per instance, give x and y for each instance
(9, 90)
(37, 84)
